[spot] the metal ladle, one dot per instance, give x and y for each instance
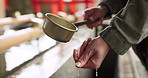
(59, 28)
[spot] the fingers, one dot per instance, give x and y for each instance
(90, 65)
(82, 48)
(89, 26)
(88, 13)
(84, 45)
(75, 55)
(84, 59)
(89, 39)
(95, 15)
(96, 24)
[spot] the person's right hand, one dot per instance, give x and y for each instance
(95, 15)
(92, 53)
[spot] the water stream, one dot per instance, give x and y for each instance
(96, 73)
(78, 72)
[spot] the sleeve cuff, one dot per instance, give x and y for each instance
(115, 40)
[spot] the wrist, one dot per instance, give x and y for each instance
(105, 43)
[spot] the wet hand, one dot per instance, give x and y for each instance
(92, 53)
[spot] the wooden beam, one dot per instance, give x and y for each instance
(18, 20)
(7, 41)
(2, 9)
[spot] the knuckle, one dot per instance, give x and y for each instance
(87, 11)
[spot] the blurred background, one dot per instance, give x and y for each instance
(26, 52)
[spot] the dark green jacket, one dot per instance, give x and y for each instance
(130, 25)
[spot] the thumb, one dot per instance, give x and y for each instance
(83, 60)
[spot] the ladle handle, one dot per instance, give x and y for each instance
(82, 23)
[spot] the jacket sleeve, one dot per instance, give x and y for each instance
(129, 27)
(114, 5)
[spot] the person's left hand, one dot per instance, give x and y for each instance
(92, 53)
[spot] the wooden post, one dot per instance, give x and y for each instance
(87, 3)
(6, 3)
(2, 9)
(36, 5)
(73, 7)
(61, 5)
(54, 7)
(92, 3)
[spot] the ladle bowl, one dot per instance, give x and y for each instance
(58, 28)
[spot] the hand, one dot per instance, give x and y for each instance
(95, 15)
(92, 53)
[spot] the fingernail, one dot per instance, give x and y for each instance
(78, 64)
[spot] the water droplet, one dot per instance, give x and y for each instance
(96, 73)
(78, 72)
